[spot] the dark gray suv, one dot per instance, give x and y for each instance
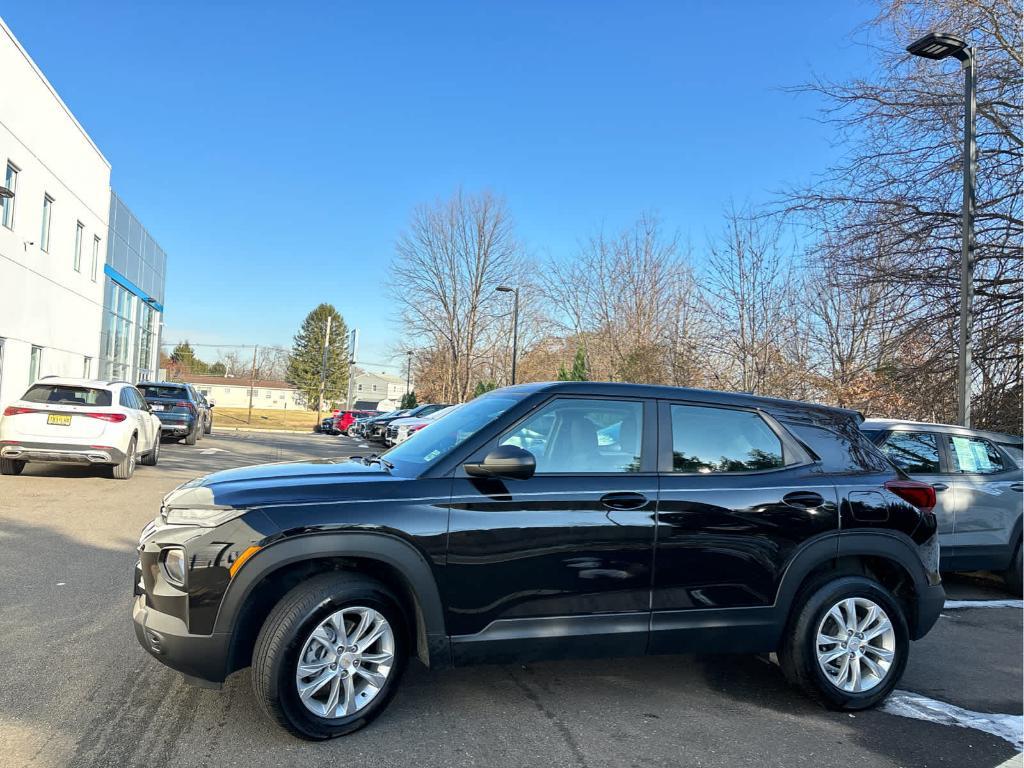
(978, 482)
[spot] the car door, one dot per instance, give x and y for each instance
(988, 500)
(134, 415)
(739, 497)
(149, 424)
(558, 564)
(918, 454)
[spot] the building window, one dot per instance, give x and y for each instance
(11, 182)
(79, 234)
(118, 331)
(94, 271)
(86, 367)
(34, 361)
(44, 234)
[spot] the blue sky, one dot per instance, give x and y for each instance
(276, 150)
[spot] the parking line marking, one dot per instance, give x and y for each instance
(913, 705)
(952, 605)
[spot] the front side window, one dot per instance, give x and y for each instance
(913, 452)
(79, 234)
(975, 455)
(576, 435)
(34, 361)
(44, 234)
(7, 203)
(710, 440)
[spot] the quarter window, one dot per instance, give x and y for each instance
(972, 454)
(7, 203)
(570, 435)
(44, 234)
(714, 440)
(913, 452)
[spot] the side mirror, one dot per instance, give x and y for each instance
(210, 403)
(507, 461)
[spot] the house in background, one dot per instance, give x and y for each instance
(377, 392)
(230, 392)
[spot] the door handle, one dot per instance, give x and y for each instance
(803, 499)
(1017, 486)
(624, 500)
(939, 486)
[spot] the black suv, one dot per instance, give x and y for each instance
(547, 521)
(184, 413)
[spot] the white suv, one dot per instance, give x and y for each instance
(76, 421)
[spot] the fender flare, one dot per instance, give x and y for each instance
(403, 557)
(888, 544)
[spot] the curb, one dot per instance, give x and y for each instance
(217, 428)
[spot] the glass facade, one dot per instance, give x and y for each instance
(132, 299)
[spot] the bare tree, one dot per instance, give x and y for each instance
(447, 267)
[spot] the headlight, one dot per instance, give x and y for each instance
(173, 559)
(204, 517)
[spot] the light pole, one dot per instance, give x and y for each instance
(515, 323)
(408, 373)
(937, 46)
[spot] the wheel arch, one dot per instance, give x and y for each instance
(889, 557)
(273, 571)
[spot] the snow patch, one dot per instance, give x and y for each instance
(952, 605)
(906, 704)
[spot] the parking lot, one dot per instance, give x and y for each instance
(77, 690)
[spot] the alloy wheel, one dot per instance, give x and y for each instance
(855, 644)
(345, 662)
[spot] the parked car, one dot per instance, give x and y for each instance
(340, 422)
(400, 430)
(711, 522)
(374, 427)
(978, 481)
(325, 425)
(207, 408)
(79, 421)
(182, 413)
(381, 424)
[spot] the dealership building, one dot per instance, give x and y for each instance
(81, 280)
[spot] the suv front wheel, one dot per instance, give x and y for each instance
(847, 645)
(329, 655)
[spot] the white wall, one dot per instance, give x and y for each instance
(43, 300)
(232, 396)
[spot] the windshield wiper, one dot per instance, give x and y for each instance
(376, 458)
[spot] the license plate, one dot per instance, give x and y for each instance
(156, 407)
(60, 419)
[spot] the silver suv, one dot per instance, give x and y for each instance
(978, 482)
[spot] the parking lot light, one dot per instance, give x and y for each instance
(937, 46)
(515, 323)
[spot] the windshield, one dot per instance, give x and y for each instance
(430, 444)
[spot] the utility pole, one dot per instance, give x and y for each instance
(408, 373)
(252, 383)
(515, 324)
(323, 369)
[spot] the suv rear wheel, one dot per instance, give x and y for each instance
(329, 655)
(126, 468)
(847, 644)
(11, 466)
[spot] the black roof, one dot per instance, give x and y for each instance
(713, 396)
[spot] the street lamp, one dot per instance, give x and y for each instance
(515, 323)
(937, 47)
(408, 372)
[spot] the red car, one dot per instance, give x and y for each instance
(346, 419)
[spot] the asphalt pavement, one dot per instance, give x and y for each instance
(77, 690)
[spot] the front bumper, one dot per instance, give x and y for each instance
(202, 659)
(62, 453)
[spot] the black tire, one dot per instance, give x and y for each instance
(11, 466)
(151, 458)
(1012, 575)
(209, 426)
(126, 468)
(193, 435)
(280, 641)
(798, 654)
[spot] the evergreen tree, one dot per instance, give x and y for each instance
(185, 360)
(304, 363)
(408, 400)
(483, 386)
(579, 368)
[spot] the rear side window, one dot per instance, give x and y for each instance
(913, 452)
(61, 394)
(160, 391)
(975, 455)
(714, 440)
